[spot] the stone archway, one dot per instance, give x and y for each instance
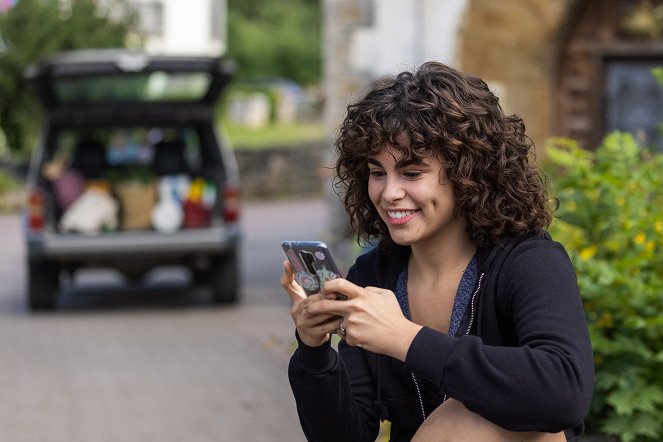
(603, 79)
(512, 45)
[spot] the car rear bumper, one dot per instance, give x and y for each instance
(131, 244)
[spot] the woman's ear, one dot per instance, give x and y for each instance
(444, 179)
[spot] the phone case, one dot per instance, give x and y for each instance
(313, 264)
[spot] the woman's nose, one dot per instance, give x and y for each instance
(393, 190)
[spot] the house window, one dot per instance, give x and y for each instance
(634, 99)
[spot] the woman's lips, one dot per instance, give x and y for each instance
(398, 217)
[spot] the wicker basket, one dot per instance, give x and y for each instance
(136, 201)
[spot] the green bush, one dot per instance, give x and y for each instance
(10, 200)
(276, 38)
(610, 218)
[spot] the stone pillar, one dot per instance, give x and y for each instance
(366, 39)
(341, 82)
(511, 45)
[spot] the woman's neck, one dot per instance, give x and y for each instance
(440, 260)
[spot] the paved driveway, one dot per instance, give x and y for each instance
(153, 363)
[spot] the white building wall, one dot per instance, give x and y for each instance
(405, 33)
(367, 39)
(186, 26)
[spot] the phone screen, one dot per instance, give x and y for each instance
(312, 262)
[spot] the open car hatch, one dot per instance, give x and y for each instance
(113, 76)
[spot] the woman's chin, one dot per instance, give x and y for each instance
(401, 240)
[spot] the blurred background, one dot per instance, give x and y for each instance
(155, 362)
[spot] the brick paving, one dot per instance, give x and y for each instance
(140, 369)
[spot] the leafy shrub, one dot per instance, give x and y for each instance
(610, 218)
(8, 182)
(10, 197)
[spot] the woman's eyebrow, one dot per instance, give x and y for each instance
(411, 162)
(402, 163)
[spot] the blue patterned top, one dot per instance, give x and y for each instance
(462, 299)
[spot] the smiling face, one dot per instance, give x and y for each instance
(414, 199)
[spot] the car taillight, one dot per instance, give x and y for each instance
(35, 209)
(231, 204)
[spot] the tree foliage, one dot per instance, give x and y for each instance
(276, 38)
(35, 28)
(610, 219)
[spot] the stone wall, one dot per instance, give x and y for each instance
(283, 172)
(512, 44)
(275, 173)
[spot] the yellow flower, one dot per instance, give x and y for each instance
(650, 246)
(658, 226)
(640, 238)
(620, 201)
(587, 253)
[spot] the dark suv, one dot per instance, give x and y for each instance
(129, 172)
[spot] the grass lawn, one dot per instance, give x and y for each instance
(281, 135)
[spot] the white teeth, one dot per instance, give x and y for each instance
(400, 214)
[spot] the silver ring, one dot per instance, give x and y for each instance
(341, 331)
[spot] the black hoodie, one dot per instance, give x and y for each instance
(522, 357)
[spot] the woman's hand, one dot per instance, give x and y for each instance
(372, 318)
(314, 327)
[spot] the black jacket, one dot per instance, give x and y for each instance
(522, 357)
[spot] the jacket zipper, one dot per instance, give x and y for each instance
(467, 332)
(476, 292)
(421, 401)
(469, 326)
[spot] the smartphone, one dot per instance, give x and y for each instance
(313, 264)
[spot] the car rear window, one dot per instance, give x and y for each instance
(130, 146)
(156, 86)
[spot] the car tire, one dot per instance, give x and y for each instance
(223, 278)
(43, 280)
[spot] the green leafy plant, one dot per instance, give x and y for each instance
(10, 196)
(266, 39)
(610, 218)
(137, 174)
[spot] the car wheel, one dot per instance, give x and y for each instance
(223, 278)
(43, 279)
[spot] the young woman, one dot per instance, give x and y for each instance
(465, 322)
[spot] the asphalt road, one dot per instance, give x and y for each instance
(154, 362)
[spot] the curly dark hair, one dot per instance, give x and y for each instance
(438, 110)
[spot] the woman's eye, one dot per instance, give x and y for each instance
(376, 173)
(411, 174)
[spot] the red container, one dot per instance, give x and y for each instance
(195, 215)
